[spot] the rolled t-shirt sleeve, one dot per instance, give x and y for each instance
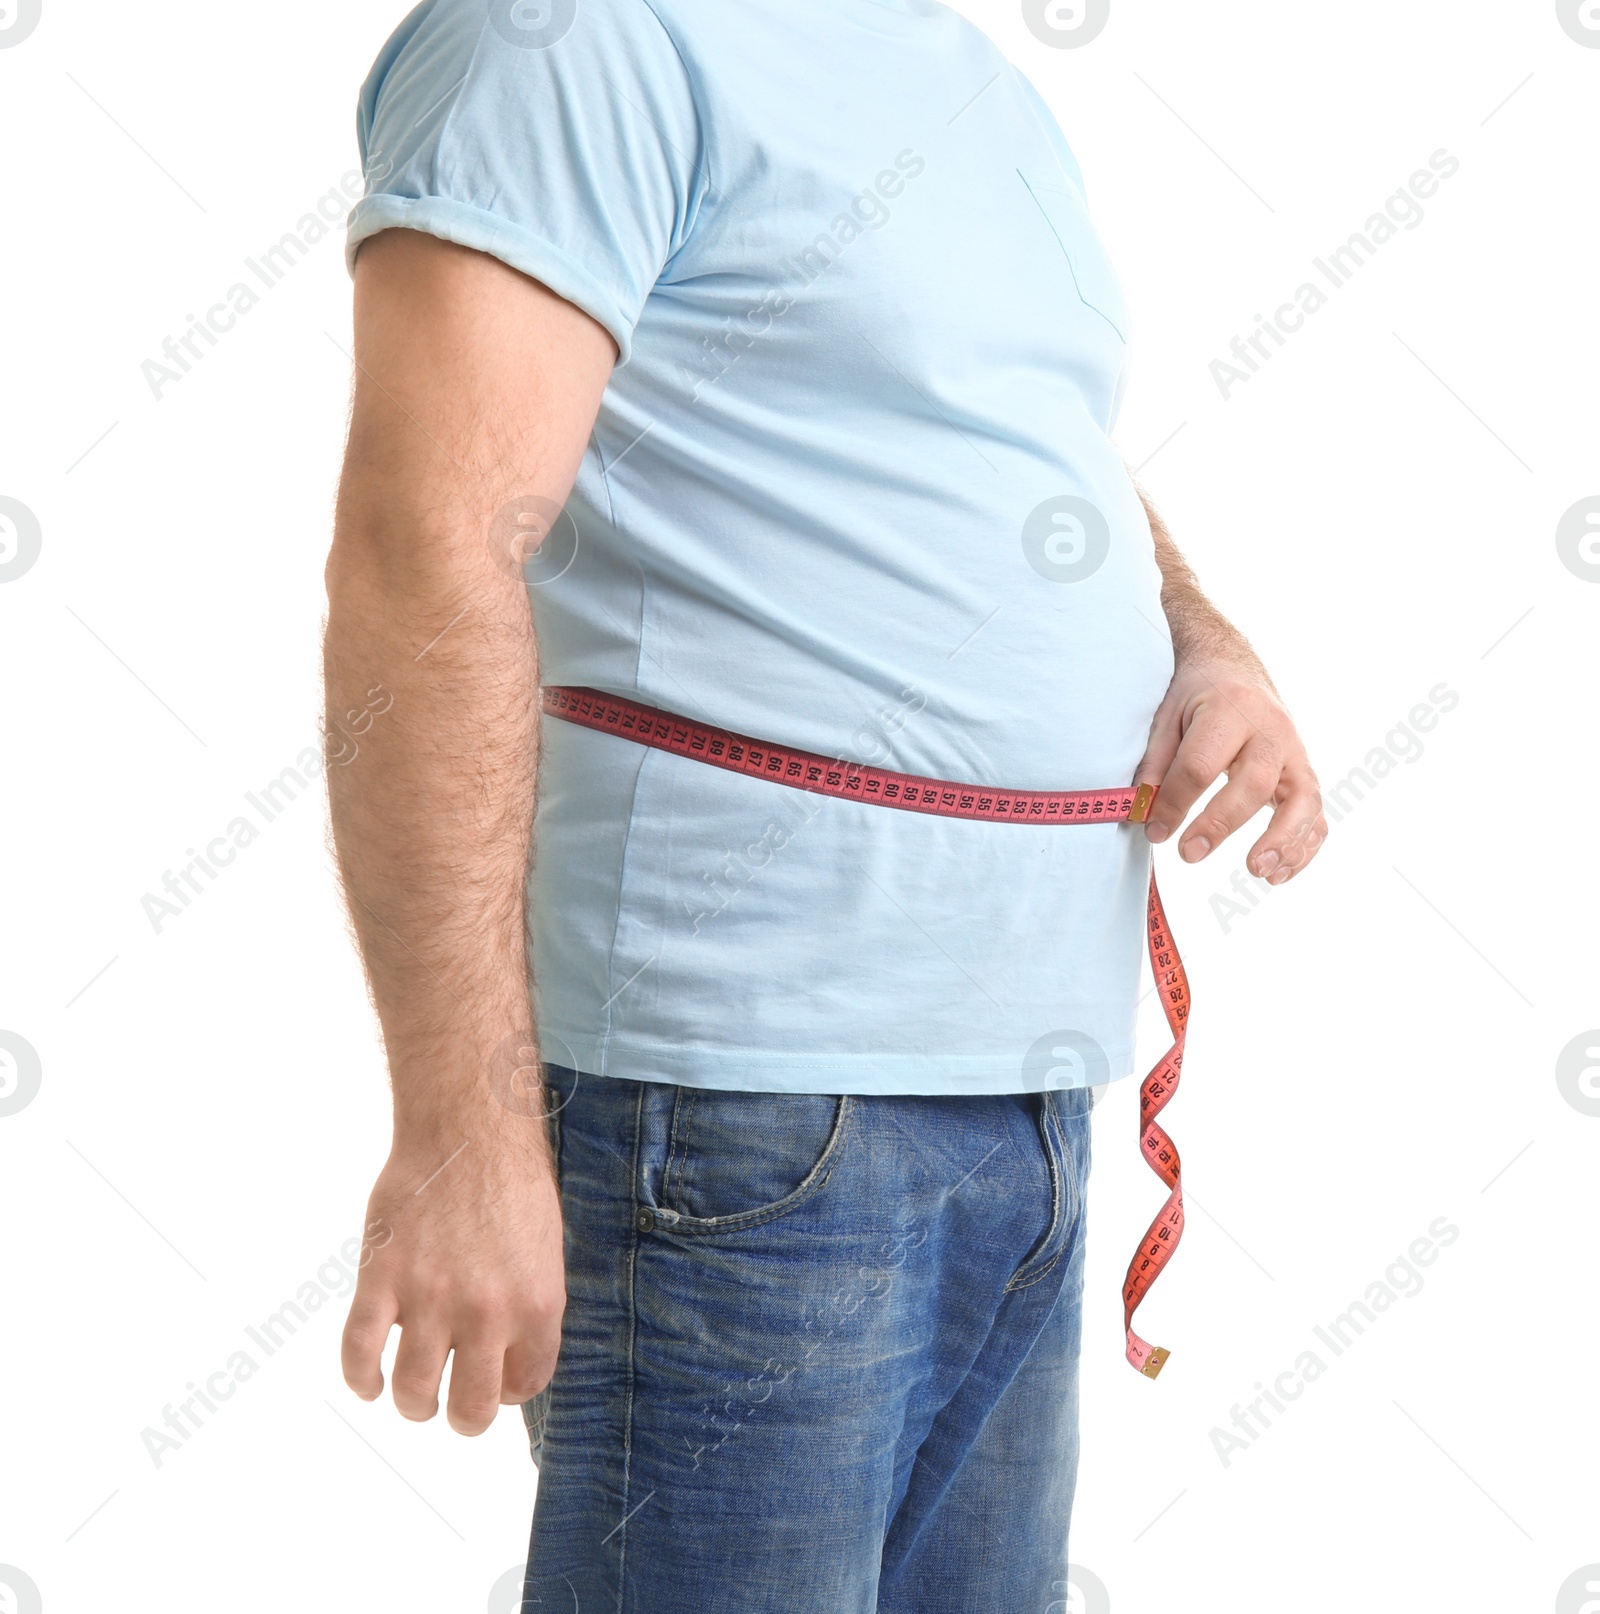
(571, 151)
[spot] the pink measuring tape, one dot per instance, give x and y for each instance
(855, 781)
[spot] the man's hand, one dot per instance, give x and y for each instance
(1221, 716)
(1224, 717)
(473, 1266)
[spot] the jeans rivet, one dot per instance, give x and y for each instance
(645, 1220)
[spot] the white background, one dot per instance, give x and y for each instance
(1374, 1046)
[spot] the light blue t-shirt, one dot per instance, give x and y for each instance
(851, 489)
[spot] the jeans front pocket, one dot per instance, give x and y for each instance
(713, 1160)
(1062, 1122)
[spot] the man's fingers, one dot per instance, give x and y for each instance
(530, 1365)
(1166, 733)
(1207, 751)
(1252, 783)
(418, 1367)
(1294, 835)
(366, 1332)
(1234, 726)
(475, 1381)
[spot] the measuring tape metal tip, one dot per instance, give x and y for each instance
(1143, 798)
(1158, 1360)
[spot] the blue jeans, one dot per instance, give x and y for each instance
(820, 1354)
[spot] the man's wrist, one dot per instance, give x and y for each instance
(484, 1091)
(482, 1139)
(1202, 637)
(1217, 648)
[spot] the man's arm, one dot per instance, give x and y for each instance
(1221, 715)
(474, 385)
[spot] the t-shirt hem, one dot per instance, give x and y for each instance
(735, 1070)
(486, 232)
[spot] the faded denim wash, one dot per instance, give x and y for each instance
(820, 1354)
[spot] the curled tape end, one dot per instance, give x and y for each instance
(1158, 1360)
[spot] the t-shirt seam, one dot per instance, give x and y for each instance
(701, 127)
(603, 1041)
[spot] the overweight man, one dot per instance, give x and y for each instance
(755, 365)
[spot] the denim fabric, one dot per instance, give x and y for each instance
(820, 1354)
